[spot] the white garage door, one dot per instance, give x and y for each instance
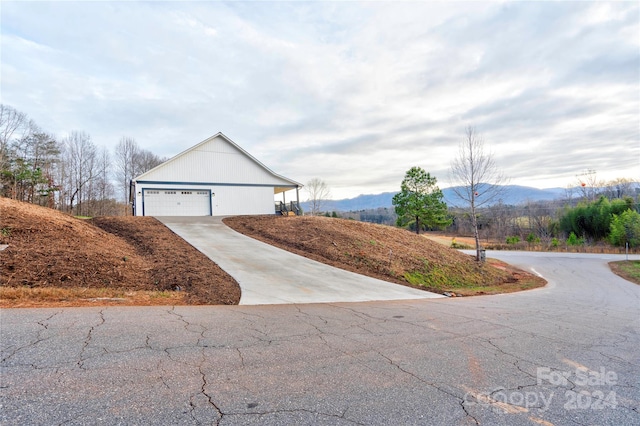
(176, 202)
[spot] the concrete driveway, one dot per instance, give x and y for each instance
(565, 354)
(269, 275)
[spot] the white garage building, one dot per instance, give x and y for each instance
(214, 178)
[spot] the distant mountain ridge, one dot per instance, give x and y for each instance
(512, 194)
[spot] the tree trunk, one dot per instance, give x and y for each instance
(417, 225)
(476, 234)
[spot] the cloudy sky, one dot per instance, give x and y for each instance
(354, 93)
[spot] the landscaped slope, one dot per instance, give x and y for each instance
(55, 257)
(384, 252)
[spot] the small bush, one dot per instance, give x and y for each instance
(513, 239)
(532, 238)
(573, 240)
(555, 243)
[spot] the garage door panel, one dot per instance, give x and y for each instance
(176, 202)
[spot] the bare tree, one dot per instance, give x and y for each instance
(130, 161)
(79, 156)
(620, 187)
(479, 182)
(589, 185)
(540, 219)
(568, 192)
(11, 122)
(319, 193)
(147, 160)
(125, 164)
(14, 126)
(501, 217)
(102, 188)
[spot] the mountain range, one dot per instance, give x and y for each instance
(512, 194)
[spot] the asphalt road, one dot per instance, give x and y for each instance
(567, 354)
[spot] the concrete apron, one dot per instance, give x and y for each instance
(269, 275)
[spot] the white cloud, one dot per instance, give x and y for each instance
(354, 93)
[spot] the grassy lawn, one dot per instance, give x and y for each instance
(627, 269)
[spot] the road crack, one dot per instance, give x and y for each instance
(45, 327)
(88, 339)
(433, 385)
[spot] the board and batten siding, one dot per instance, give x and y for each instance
(213, 162)
(237, 183)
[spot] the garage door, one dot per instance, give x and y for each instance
(176, 202)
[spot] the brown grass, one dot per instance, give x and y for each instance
(494, 244)
(384, 252)
(26, 297)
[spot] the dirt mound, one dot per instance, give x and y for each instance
(383, 252)
(48, 248)
(57, 260)
(51, 249)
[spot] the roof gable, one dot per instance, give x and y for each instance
(215, 160)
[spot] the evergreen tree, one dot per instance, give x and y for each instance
(420, 201)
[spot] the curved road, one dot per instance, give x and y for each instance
(566, 354)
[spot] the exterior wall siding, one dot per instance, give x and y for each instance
(215, 161)
(225, 200)
(238, 183)
(239, 200)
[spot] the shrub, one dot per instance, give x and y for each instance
(573, 240)
(513, 240)
(532, 238)
(625, 228)
(593, 220)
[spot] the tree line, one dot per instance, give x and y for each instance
(591, 211)
(72, 173)
(547, 223)
(594, 212)
(555, 222)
